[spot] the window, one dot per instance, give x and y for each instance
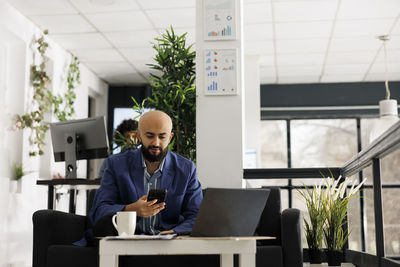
(331, 143)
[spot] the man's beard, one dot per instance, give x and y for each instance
(154, 157)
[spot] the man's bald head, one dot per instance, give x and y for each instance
(155, 133)
(156, 118)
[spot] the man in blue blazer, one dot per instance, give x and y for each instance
(130, 175)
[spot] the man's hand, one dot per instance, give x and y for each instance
(145, 209)
(168, 232)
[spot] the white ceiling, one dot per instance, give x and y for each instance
(298, 41)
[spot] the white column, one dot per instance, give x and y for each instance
(219, 119)
(252, 111)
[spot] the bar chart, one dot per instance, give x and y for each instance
(220, 72)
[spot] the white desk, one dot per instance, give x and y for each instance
(244, 246)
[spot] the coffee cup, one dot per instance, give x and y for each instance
(125, 222)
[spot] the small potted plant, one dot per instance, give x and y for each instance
(335, 203)
(314, 227)
(18, 173)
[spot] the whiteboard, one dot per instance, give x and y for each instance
(220, 71)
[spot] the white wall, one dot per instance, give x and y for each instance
(16, 209)
(219, 119)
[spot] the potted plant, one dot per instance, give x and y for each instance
(18, 173)
(173, 89)
(314, 227)
(335, 203)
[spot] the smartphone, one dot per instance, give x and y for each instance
(159, 194)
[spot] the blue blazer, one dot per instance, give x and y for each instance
(122, 184)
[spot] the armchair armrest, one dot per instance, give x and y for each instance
(51, 227)
(292, 238)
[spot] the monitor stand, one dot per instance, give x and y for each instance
(70, 155)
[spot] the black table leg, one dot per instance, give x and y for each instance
(50, 198)
(72, 201)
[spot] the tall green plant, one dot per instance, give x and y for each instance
(335, 209)
(173, 89)
(314, 228)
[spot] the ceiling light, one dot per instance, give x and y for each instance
(388, 114)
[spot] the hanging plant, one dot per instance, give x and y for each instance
(44, 102)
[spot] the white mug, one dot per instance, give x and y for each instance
(126, 222)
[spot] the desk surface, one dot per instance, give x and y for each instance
(68, 182)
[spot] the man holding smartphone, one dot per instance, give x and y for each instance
(131, 175)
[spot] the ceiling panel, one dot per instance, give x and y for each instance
(369, 28)
(63, 24)
(81, 41)
(111, 68)
(298, 79)
(267, 61)
(302, 46)
(305, 70)
(373, 77)
(392, 56)
(254, 1)
(96, 6)
(179, 17)
(303, 30)
(43, 7)
(354, 44)
(113, 37)
(257, 13)
(304, 10)
(138, 54)
(393, 43)
(393, 67)
(300, 59)
(259, 48)
(334, 78)
(346, 69)
(363, 9)
(396, 29)
(98, 55)
(357, 57)
(141, 65)
(142, 38)
(121, 21)
(160, 4)
(258, 32)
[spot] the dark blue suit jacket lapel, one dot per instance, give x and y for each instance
(137, 172)
(168, 173)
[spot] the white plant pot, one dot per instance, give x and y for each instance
(16, 186)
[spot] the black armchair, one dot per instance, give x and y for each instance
(55, 231)
(287, 249)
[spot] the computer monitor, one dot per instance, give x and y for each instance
(79, 139)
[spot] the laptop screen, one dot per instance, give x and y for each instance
(229, 212)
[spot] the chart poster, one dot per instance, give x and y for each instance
(220, 72)
(220, 20)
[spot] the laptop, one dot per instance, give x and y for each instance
(229, 212)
